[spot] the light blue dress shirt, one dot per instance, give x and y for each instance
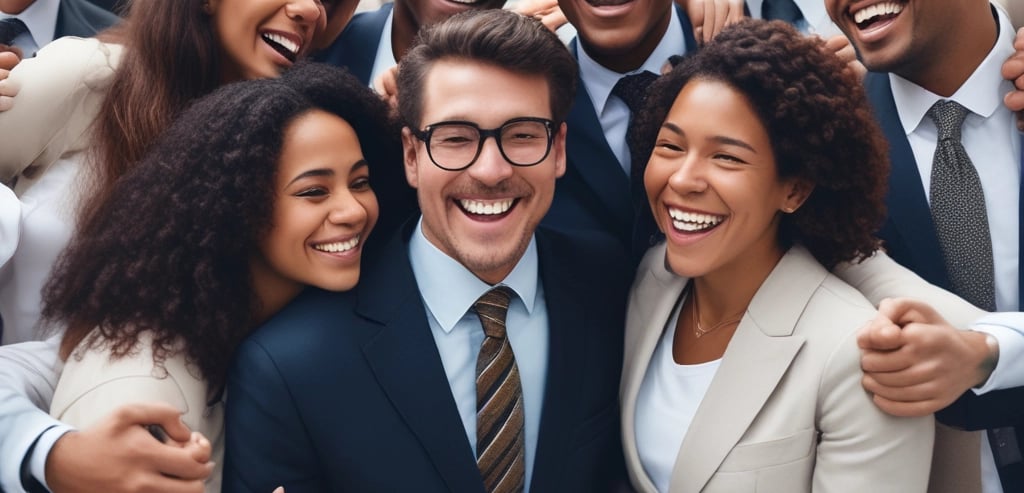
(449, 290)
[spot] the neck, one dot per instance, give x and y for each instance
(403, 30)
(726, 292)
(272, 292)
(963, 53)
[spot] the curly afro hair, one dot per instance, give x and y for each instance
(168, 250)
(818, 120)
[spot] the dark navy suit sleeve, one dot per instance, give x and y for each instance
(266, 445)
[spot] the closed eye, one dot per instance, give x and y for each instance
(312, 192)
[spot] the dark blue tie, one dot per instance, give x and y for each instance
(11, 28)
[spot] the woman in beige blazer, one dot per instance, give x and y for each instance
(742, 371)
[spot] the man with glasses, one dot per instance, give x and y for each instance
(477, 353)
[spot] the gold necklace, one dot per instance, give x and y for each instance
(700, 331)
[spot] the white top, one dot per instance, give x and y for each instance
(666, 404)
(990, 137)
(47, 212)
(599, 81)
(41, 20)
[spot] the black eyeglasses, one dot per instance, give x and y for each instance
(455, 145)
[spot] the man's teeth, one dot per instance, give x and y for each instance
(338, 246)
(284, 42)
(878, 9)
(486, 208)
(693, 221)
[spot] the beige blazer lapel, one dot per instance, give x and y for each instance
(654, 296)
(755, 361)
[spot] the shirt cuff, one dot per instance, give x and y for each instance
(1008, 330)
(37, 461)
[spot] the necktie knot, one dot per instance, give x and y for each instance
(949, 118)
(11, 28)
(492, 308)
(632, 89)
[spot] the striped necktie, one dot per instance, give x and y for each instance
(499, 400)
(11, 28)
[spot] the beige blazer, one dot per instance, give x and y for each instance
(786, 411)
(92, 385)
(59, 95)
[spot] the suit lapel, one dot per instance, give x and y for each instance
(907, 204)
(756, 359)
(408, 368)
(356, 48)
(567, 334)
(650, 306)
(592, 160)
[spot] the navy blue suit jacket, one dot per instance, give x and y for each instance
(347, 392)
(911, 240)
(356, 47)
(83, 19)
(595, 193)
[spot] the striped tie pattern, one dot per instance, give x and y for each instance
(499, 400)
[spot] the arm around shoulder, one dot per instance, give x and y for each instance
(862, 448)
(59, 92)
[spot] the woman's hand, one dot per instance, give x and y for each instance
(709, 17)
(386, 86)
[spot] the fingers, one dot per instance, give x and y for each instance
(153, 413)
(880, 334)
(721, 16)
(695, 10)
(903, 311)
(279, 489)
(200, 448)
(907, 409)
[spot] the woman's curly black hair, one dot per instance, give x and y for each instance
(819, 123)
(169, 249)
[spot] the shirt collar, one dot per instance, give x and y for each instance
(981, 93)
(599, 80)
(449, 289)
(41, 20)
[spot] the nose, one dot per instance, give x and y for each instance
(689, 176)
(346, 210)
(310, 12)
(490, 167)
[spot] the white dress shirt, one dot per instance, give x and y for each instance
(449, 290)
(990, 137)
(385, 58)
(599, 81)
(41, 20)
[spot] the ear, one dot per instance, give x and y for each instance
(798, 189)
(410, 148)
(558, 149)
(210, 6)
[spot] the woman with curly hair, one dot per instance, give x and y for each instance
(742, 371)
(258, 190)
(88, 109)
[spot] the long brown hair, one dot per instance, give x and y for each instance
(171, 58)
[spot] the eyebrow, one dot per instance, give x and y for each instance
(326, 171)
(721, 139)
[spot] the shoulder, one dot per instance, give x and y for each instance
(76, 58)
(82, 18)
(590, 254)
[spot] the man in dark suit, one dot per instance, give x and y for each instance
(47, 20)
(936, 87)
(387, 387)
(598, 191)
(373, 42)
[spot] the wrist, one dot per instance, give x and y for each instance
(989, 360)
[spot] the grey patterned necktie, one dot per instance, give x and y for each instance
(500, 453)
(11, 28)
(958, 210)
